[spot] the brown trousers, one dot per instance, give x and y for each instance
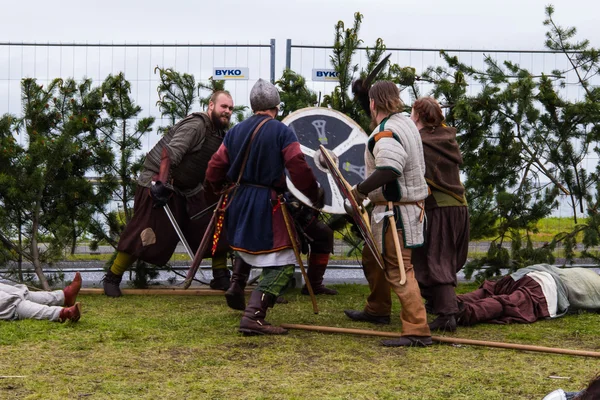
(379, 302)
(443, 255)
(150, 236)
(504, 301)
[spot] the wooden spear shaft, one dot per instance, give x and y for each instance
(445, 339)
(288, 226)
(167, 292)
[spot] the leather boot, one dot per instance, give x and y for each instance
(366, 317)
(111, 283)
(253, 322)
(408, 341)
(443, 323)
(72, 290)
(72, 313)
(317, 264)
(235, 294)
(221, 279)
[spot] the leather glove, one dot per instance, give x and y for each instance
(320, 203)
(160, 194)
(358, 196)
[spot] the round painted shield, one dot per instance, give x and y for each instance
(344, 139)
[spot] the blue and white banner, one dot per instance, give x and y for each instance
(324, 75)
(226, 73)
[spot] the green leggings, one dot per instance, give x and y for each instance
(275, 280)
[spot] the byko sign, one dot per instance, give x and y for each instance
(324, 75)
(226, 73)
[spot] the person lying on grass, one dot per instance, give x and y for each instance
(17, 302)
(531, 293)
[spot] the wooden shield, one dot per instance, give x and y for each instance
(319, 126)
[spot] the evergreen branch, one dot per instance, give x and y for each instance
(8, 243)
(538, 163)
(562, 45)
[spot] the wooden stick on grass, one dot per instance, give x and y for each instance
(445, 339)
(173, 292)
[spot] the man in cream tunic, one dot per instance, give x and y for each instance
(396, 173)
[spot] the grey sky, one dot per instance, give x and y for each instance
(409, 23)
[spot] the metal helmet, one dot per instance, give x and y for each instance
(264, 96)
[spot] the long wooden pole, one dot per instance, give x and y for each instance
(172, 292)
(445, 339)
(288, 226)
(208, 234)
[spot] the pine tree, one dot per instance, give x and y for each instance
(177, 94)
(294, 93)
(123, 131)
(522, 143)
(120, 135)
(44, 180)
(577, 133)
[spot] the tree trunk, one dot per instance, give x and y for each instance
(35, 251)
(74, 238)
(20, 259)
(123, 171)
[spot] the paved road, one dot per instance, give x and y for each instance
(92, 273)
(339, 271)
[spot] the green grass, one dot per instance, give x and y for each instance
(152, 347)
(549, 227)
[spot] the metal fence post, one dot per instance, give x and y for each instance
(288, 54)
(273, 61)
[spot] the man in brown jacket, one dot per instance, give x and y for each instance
(173, 175)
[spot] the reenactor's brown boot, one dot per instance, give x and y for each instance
(111, 282)
(72, 291)
(253, 322)
(221, 279)
(317, 264)
(235, 294)
(72, 313)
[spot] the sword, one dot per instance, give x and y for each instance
(188, 249)
(288, 225)
(397, 244)
(197, 259)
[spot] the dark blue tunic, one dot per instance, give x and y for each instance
(254, 221)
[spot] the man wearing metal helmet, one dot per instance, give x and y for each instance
(255, 154)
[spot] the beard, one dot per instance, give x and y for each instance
(373, 123)
(218, 122)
